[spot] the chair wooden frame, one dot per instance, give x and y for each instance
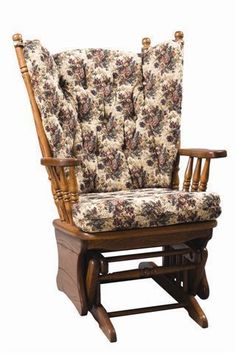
(83, 264)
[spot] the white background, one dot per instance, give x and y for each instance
(34, 316)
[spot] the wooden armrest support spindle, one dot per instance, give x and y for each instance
(199, 178)
(64, 184)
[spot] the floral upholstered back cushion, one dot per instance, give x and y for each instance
(118, 113)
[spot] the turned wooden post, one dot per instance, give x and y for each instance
(65, 195)
(73, 187)
(146, 42)
(57, 193)
(179, 36)
(18, 43)
(196, 175)
(205, 176)
(188, 175)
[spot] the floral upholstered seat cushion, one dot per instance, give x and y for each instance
(117, 112)
(97, 212)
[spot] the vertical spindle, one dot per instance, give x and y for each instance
(188, 175)
(204, 176)
(196, 175)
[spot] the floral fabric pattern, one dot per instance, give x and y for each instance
(118, 113)
(152, 207)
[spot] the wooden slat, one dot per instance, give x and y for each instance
(145, 310)
(134, 274)
(128, 257)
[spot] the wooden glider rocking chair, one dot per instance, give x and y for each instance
(108, 124)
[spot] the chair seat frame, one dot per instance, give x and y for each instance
(83, 263)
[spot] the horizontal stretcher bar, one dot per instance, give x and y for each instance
(128, 257)
(145, 309)
(142, 273)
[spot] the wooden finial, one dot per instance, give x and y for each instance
(17, 39)
(179, 35)
(146, 42)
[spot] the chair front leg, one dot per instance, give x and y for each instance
(194, 281)
(198, 284)
(179, 294)
(94, 300)
(197, 280)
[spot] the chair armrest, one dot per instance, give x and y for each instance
(58, 162)
(196, 176)
(203, 153)
(62, 175)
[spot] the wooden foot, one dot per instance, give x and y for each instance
(70, 276)
(93, 296)
(101, 316)
(189, 301)
(195, 311)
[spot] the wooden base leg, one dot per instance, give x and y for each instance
(198, 283)
(70, 276)
(189, 301)
(101, 316)
(93, 296)
(203, 289)
(197, 279)
(195, 311)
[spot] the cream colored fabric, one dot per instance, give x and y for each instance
(130, 209)
(118, 113)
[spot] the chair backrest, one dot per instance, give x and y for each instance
(117, 112)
